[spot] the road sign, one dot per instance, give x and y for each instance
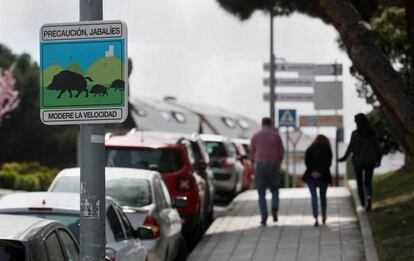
(287, 117)
(291, 82)
(307, 68)
(291, 97)
(83, 72)
(321, 121)
(294, 136)
(328, 95)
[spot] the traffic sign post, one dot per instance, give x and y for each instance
(291, 97)
(84, 70)
(308, 68)
(294, 137)
(291, 82)
(287, 118)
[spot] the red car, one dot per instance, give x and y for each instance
(173, 158)
(243, 157)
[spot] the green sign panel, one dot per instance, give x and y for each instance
(83, 73)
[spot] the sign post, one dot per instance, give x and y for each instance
(287, 118)
(294, 137)
(83, 72)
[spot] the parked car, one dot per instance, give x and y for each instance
(243, 157)
(32, 239)
(122, 241)
(145, 200)
(227, 169)
(173, 157)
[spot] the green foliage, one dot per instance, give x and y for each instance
(23, 136)
(29, 176)
(392, 216)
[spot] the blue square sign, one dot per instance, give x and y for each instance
(287, 117)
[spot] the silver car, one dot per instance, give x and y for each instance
(121, 241)
(31, 239)
(227, 169)
(146, 201)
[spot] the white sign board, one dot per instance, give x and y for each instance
(307, 68)
(290, 97)
(328, 95)
(291, 82)
(83, 73)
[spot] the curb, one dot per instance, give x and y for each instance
(365, 227)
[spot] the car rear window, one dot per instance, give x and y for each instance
(129, 192)
(71, 221)
(163, 160)
(12, 251)
(216, 149)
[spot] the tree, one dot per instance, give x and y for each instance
(350, 20)
(9, 99)
(23, 137)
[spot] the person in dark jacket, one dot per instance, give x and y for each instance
(366, 156)
(318, 160)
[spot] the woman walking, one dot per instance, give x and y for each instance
(318, 160)
(366, 156)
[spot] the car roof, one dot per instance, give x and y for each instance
(60, 202)
(145, 139)
(16, 227)
(114, 173)
(213, 137)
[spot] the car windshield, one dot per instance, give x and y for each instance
(216, 149)
(131, 192)
(71, 221)
(163, 160)
(11, 250)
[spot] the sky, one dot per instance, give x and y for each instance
(196, 51)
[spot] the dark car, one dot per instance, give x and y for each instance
(171, 155)
(31, 239)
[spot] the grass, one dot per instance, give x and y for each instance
(392, 215)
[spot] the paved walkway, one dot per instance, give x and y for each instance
(237, 234)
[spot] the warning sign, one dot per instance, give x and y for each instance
(287, 118)
(83, 73)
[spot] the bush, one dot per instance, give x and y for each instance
(29, 176)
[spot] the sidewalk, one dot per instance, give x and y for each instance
(237, 235)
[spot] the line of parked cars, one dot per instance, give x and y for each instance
(160, 191)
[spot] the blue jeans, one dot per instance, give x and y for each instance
(323, 186)
(267, 176)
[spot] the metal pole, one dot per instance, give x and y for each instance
(92, 170)
(287, 159)
(294, 167)
(272, 73)
(336, 157)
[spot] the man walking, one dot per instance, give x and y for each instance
(266, 153)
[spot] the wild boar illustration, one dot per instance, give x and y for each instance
(69, 81)
(98, 89)
(118, 85)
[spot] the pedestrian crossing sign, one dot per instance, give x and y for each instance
(287, 118)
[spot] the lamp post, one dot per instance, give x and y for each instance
(272, 97)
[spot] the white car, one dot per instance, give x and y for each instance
(121, 242)
(145, 200)
(227, 169)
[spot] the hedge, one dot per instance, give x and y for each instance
(28, 176)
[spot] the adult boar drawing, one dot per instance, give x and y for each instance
(69, 81)
(118, 85)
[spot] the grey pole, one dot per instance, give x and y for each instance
(92, 170)
(272, 73)
(287, 159)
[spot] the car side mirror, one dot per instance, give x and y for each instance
(180, 202)
(144, 233)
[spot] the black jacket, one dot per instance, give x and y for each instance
(318, 159)
(365, 151)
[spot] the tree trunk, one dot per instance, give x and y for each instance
(394, 94)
